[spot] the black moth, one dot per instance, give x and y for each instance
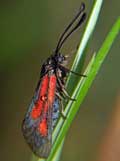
(44, 109)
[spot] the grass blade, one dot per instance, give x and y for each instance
(83, 85)
(85, 39)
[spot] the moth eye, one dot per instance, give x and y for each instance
(61, 59)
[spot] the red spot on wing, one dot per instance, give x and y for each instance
(44, 86)
(43, 127)
(44, 103)
(52, 89)
(38, 107)
(35, 112)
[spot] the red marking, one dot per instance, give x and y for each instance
(47, 91)
(35, 113)
(43, 127)
(44, 86)
(52, 89)
(37, 109)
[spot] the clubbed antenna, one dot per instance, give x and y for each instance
(82, 15)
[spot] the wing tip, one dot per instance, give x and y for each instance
(43, 151)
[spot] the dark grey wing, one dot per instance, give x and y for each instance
(40, 145)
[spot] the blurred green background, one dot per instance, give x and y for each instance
(29, 33)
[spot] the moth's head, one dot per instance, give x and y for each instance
(60, 58)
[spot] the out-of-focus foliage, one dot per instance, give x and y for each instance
(29, 33)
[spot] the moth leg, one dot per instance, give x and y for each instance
(67, 95)
(70, 71)
(59, 95)
(61, 107)
(64, 90)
